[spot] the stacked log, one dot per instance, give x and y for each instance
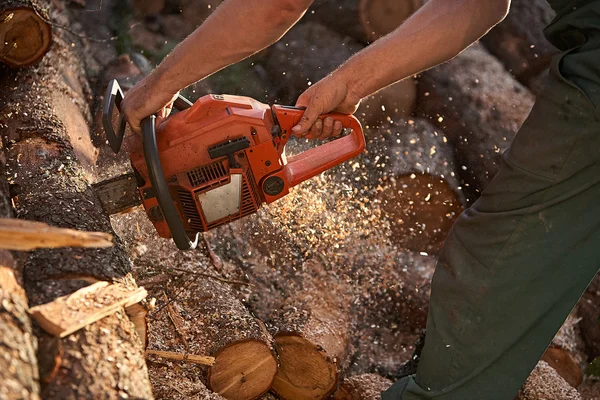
(480, 107)
(44, 126)
(25, 32)
(362, 387)
(310, 51)
(519, 40)
(363, 20)
(18, 363)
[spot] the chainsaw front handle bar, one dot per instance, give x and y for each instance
(161, 188)
(114, 97)
(307, 164)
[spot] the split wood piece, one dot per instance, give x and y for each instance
(519, 40)
(44, 126)
(589, 311)
(137, 314)
(363, 20)
(480, 107)
(380, 17)
(420, 194)
(362, 387)
(30, 235)
(545, 383)
(220, 326)
(297, 61)
(313, 342)
(25, 34)
(169, 355)
(70, 313)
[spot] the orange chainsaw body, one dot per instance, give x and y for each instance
(223, 157)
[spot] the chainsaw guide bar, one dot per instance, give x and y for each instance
(118, 194)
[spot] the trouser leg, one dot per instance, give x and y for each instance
(517, 261)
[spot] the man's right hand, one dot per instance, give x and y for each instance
(146, 98)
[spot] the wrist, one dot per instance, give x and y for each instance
(354, 87)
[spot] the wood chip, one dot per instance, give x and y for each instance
(70, 313)
(16, 234)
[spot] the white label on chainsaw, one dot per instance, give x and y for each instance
(222, 201)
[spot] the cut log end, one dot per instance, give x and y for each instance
(421, 209)
(243, 370)
(24, 36)
(380, 17)
(564, 364)
(305, 372)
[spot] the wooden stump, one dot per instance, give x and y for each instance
(519, 40)
(314, 333)
(480, 107)
(44, 126)
(362, 387)
(25, 34)
(420, 191)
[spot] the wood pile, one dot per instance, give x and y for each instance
(323, 294)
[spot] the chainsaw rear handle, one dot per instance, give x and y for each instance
(157, 179)
(114, 97)
(305, 165)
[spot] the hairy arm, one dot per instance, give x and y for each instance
(236, 30)
(439, 31)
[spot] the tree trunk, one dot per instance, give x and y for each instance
(18, 362)
(44, 125)
(310, 51)
(519, 40)
(363, 20)
(420, 193)
(25, 34)
(362, 387)
(314, 333)
(480, 107)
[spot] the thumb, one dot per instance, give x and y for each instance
(311, 114)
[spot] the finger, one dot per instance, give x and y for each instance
(315, 130)
(308, 119)
(327, 128)
(337, 128)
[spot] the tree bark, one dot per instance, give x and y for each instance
(18, 362)
(519, 40)
(480, 107)
(419, 192)
(44, 125)
(362, 387)
(25, 34)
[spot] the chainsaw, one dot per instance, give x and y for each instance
(213, 161)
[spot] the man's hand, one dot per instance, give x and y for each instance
(144, 99)
(332, 93)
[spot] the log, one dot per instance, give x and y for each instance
(589, 311)
(363, 20)
(420, 193)
(202, 316)
(44, 119)
(313, 338)
(391, 104)
(68, 314)
(25, 33)
(519, 40)
(480, 107)
(545, 383)
(362, 387)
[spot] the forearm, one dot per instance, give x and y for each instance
(436, 33)
(236, 30)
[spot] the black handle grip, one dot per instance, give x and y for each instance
(157, 178)
(113, 97)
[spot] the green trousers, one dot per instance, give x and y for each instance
(517, 261)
